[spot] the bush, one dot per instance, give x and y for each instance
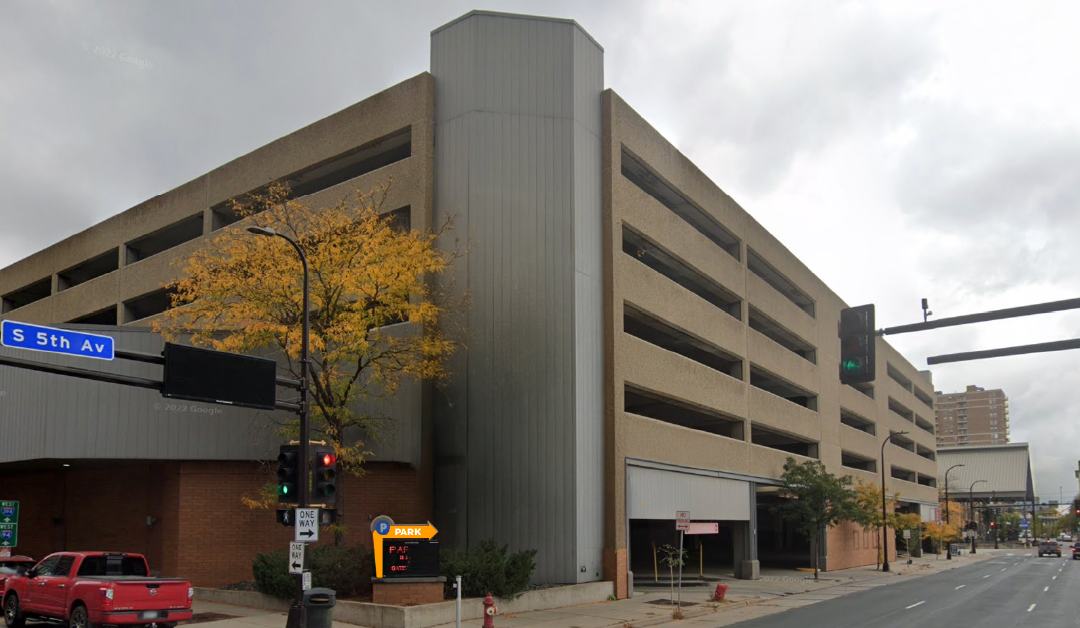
(487, 569)
(346, 570)
(271, 571)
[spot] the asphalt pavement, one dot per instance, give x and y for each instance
(1018, 590)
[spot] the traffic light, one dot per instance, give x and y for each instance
(288, 474)
(325, 483)
(1076, 507)
(857, 353)
(993, 524)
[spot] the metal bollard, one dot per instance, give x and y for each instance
(489, 611)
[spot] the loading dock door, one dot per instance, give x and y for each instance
(657, 494)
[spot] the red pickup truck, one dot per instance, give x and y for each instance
(89, 589)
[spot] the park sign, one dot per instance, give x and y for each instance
(52, 340)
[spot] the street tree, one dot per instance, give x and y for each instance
(868, 497)
(373, 315)
(815, 500)
(673, 557)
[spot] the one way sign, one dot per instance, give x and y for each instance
(296, 557)
(307, 525)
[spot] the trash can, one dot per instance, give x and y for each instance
(319, 606)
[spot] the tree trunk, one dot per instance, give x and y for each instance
(814, 554)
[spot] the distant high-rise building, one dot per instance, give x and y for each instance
(974, 417)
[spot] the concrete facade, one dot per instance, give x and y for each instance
(637, 342)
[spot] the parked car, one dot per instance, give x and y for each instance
(1066, 537)
(86, 589)
(1049, 547)
(10, 565)
(1076, 550)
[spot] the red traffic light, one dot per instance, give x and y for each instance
(328, 460)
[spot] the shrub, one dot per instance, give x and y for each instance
(271, 571)
(487, 568)
(346, 570)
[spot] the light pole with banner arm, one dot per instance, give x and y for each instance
(884, 513)
(971, 504)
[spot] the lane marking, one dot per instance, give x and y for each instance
(921, 603)
(1045, 589)
(1030, 608)
(1054, 578)
(986, 576)
(1004, 568)
(959, 587)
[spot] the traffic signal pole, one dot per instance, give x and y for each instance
(297, 612)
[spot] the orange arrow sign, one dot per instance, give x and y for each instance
(426, 531)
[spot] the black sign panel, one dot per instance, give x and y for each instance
(219, 377)
(404, 558)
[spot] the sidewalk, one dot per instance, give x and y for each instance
(776, 591)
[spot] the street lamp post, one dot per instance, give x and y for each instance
(297, 612)
(884, 513)
(994, 518)
(948, 554)
(971, 504)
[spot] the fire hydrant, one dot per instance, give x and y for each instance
(489, 611)
(721, 591)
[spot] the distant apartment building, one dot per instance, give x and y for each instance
(974, 417)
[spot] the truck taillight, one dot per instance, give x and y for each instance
(190, 592)
(108, 593)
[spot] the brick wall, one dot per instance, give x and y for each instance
(850, 545)
(402, 593)
(201, 530)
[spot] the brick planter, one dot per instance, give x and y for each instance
(403, 591)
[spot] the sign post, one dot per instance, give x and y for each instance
(682, 524)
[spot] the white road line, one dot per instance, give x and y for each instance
(1045, 589)
(1031, 608)
(1004, 568)
(959, 587)
(986, 576)
(921, 603)
(1055, 577)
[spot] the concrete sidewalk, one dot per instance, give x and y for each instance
(776, 591)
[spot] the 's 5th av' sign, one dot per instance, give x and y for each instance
(52, 340)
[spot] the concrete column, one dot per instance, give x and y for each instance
(747, 566)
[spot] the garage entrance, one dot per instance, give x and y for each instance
(655, 492)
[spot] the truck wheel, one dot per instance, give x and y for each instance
(13, 616)
(79, 618)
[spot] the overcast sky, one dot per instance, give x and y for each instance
(901, 150)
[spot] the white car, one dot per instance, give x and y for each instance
(1067, 538)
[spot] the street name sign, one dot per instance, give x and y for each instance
(9, 534)
(51, 340)
(1025, 524)
(296, 557)
(703, 528)
(307, 525)
(682, 520)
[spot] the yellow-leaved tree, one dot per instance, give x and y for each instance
(373, 314)
(946, 530)
(868, 496)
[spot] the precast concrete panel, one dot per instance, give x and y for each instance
(519, 440)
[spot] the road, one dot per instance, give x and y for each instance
(1020, 590)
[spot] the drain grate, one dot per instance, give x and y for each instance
(669, 603)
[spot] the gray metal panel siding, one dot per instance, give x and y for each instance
(57, 417)
(658, 494)
(508, 441)
(588, 306)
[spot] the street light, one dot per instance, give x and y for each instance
(948, 554)
(971, 504)
(884, 514)
(297, 615)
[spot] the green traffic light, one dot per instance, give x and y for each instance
(283, 489)
(851, 366)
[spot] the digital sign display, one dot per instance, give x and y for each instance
(404, 558)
